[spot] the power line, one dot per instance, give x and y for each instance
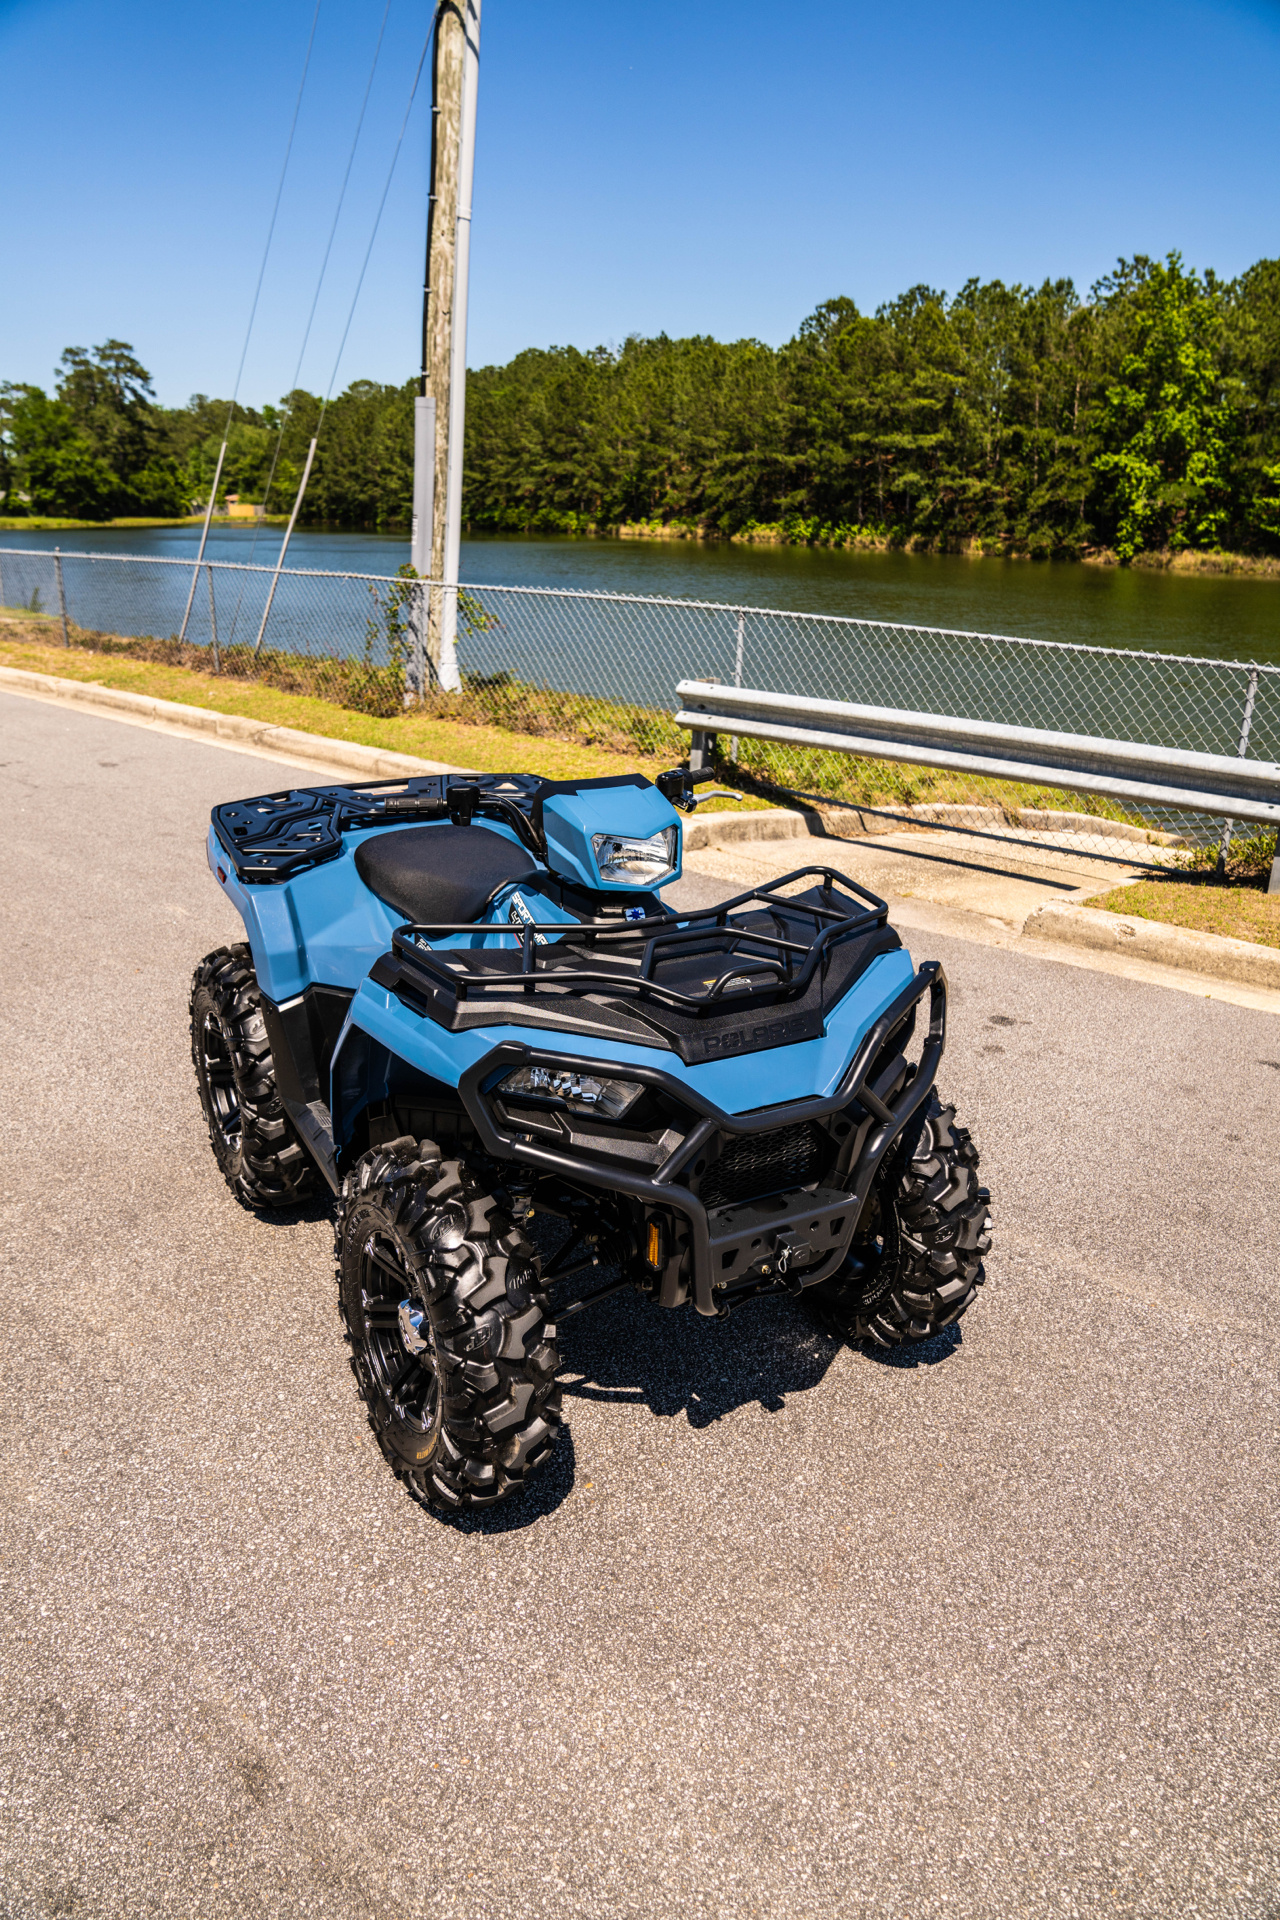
(248, 332)
(324, 264)
(311, 450)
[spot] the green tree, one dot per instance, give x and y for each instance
(1164, 424)
(49, 462)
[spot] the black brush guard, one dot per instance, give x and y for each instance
(834, 1214)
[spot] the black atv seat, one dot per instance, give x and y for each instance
(440, 874)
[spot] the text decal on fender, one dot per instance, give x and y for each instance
(772, 1033)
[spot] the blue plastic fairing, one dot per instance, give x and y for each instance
(802, 1071)
(571, 820)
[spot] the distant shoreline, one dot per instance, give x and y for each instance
(39, 523)
(1252, 565)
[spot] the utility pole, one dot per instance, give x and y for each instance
(439, 410)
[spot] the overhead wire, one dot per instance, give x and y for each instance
(324, 264)
(253, 311)
(373, 234)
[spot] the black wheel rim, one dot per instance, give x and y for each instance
(404, 1374)
(220, 1081)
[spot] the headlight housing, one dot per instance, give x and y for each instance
(624, 861)
(580, 1092)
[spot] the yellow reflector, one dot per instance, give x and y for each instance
(655, 1244)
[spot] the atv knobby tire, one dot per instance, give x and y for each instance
(253, 1139)
(451, 1347)
(916, 1262)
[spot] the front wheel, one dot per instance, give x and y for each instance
(449, 1327)
(916, 1261)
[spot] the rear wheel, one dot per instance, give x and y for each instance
(253, 1141)
(451, 1344)
(916, 1262)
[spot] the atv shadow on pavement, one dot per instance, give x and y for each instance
(628, 1351)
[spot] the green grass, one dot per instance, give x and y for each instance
(499, 723)
(41, 523)
(28, 641)
(1204, 904)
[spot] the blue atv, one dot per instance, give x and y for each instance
(465, 1009)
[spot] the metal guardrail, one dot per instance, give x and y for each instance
(1140, 774)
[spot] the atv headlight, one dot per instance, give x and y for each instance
(581, 1092)
(627, 862)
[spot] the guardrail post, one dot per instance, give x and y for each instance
(62, 595)
(701, 751)
(1229, 826)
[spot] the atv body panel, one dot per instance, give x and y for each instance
(489, 963)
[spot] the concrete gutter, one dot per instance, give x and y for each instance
(1064, 923)
(1212, 954)
(339, 757)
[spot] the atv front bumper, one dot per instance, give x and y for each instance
(797, 1238)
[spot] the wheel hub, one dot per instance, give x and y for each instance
(411, 1319)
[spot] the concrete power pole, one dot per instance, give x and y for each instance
(440, 408)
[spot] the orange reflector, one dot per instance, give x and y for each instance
(655, 1244)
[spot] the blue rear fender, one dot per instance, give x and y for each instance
(324, 927)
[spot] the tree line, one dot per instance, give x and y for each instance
(1145, 416)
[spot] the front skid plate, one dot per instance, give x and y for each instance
(813, 1226)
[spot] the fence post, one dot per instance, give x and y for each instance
(1229, 826)
(741, 638)
(62, 595)
(213, 618)
(416, 678)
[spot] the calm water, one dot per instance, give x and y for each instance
(1223, 617)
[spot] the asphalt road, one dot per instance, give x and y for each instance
(785, 1631)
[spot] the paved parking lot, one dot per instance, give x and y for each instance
(786, 1630)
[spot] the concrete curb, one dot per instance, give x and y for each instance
(343, 756)
(226, 729)
(1208, 953)
(733, 829)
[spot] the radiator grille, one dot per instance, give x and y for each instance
(756, 1164)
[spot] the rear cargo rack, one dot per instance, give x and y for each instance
(632, 952)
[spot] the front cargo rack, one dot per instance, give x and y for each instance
(770, 960)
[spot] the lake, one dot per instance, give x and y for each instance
(1221, 616)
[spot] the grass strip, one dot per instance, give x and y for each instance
(1241, 912)
(26, 644)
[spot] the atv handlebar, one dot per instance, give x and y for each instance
(662, 1187)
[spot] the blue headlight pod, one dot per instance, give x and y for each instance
(578, 823)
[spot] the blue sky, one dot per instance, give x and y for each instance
(708, 168)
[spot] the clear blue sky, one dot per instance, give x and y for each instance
(712, 167)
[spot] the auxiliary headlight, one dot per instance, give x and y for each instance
(581, 1092)
(626, 862)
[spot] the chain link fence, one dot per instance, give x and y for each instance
(600, 669)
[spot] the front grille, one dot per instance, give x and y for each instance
(755, 1164)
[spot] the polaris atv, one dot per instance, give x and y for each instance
(465, 1009)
